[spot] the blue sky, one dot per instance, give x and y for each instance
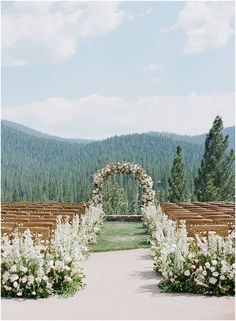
(95, 70)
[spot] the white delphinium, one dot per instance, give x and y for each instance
(20, 257)
(209, 263)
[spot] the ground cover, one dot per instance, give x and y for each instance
(121, 236)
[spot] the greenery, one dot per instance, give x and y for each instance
(121, 236)
(44, 169)
(215, 181)
(177, 181)
(115, 199)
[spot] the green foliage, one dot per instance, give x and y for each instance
(215, 181)
(115, 197)
(41, 168)
(115, 200)
(177, 181)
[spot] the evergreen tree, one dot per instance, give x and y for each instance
(215, 181)
(177, 181)
(115, 200)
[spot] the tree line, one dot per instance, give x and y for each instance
(45, 169)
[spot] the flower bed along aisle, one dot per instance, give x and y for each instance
(32, 270)
(207, 267)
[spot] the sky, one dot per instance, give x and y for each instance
(99, 69)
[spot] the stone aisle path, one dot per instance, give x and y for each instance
(121, 285)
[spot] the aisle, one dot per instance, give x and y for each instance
(121, 285)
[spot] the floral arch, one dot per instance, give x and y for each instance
(145, 181)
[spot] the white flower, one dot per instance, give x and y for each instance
(204, 272)
(5, 276)
(214, 262)
(222, 277)
(187, 273)
(212, 269)
(15, 284)
(14, 277)
(68, 278)
(23, 269)
(7, 288)
(33, 292)
(212, 280)
(19, 293)
(215, 273)
(207, 265)
(199, 279)
(13, 268)
(30, 279)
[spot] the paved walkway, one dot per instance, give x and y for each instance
(121, 285)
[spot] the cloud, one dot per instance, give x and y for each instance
(48, 32)
(207, 25)
(99, 116)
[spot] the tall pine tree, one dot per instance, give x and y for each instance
(215, 181)
(177, 181)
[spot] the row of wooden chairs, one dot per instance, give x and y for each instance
(39, 218)
(200, 220)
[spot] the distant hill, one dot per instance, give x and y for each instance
(36, 133)
(197, 139)
(200, 139)
(40, 167)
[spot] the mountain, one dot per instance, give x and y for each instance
(36, 133)
(197, 139)
(200, 139)
(40, 167)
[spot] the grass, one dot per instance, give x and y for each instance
(121, 236)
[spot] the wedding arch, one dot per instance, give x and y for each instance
(145, 181)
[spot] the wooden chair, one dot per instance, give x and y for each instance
(41, 234)
(49, 225)
(203, 231)
(6, 231)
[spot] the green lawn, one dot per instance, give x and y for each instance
(121, 236)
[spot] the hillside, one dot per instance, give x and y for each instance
(200, 139)
(36, 133)
(44, 168)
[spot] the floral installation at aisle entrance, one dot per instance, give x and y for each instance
(206, 268)
(135, 170)
(32, 270)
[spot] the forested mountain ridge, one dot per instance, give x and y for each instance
(33, 132)
(43, 168)
(197, 139)
(200, 139)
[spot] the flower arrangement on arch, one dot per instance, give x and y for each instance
(128, 168)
